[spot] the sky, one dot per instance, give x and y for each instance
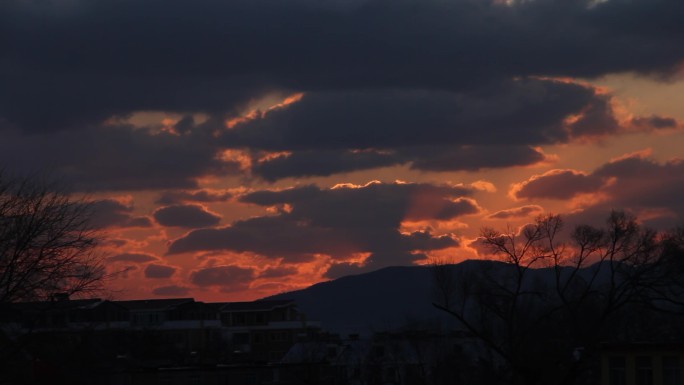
(240, 148)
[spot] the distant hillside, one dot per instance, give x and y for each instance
(395, 297)
(380, 300)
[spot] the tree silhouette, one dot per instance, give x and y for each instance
(47, 245)
(548, 299)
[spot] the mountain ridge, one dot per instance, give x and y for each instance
(400, 296)
(384, 299)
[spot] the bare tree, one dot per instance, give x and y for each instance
(46, 243)
(547, 295)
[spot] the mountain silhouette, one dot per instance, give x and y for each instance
(381, 300)
(402, 296)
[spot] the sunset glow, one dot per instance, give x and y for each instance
(343, 138)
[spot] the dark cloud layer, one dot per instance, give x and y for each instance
(639, 182)
(159, 271)
(323, 163)
(112, 213)
(426, 158)
(634, 182)
(204, 195)
(132, 257)
(430, 84)
(519, 112)
(656, 122)
(340, 222)
(517, 212)
(558, 184)
(110, 57)
(188, 216)
(497, 126)
(117, 157)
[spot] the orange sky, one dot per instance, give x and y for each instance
(634, 95)
(251, 149)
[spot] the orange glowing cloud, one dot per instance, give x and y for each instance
(260, 113)
(269, 156)
(640, 154)
(239, 157)
(517, 212)
(557, 184)
(483, 185)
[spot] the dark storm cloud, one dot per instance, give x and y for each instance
(426, 158)
(227, 277)
(429, 84)
(112, 213)
(340, 222)
(205, 196)
(323, 163)
(636, 182)
(159, 271)
(520, 112)
(271, 236)
(655, 121)
(472, 158)
(117, 157)
(188, 216)
(494, 127)
(639, 182)
(172, 291)
(373, 205)
(132, 257)
(557, 184)
(80, 61)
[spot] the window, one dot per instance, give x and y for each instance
(643, 366)
(617, 370)
(275, 355)
(251, 378)
(241, 338)
(391, 375)
(671, 371)
(194, 379)
(225, 318)
(239, 319)
(279, 336)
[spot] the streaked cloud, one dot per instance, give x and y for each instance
(339, 222)
(133, 257)
(557, 184)
(517, 212)
(226, 277)
(115, 213)
(156, 271)
(188, 216)
(203, 195)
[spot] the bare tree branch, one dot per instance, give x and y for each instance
(47, 245)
